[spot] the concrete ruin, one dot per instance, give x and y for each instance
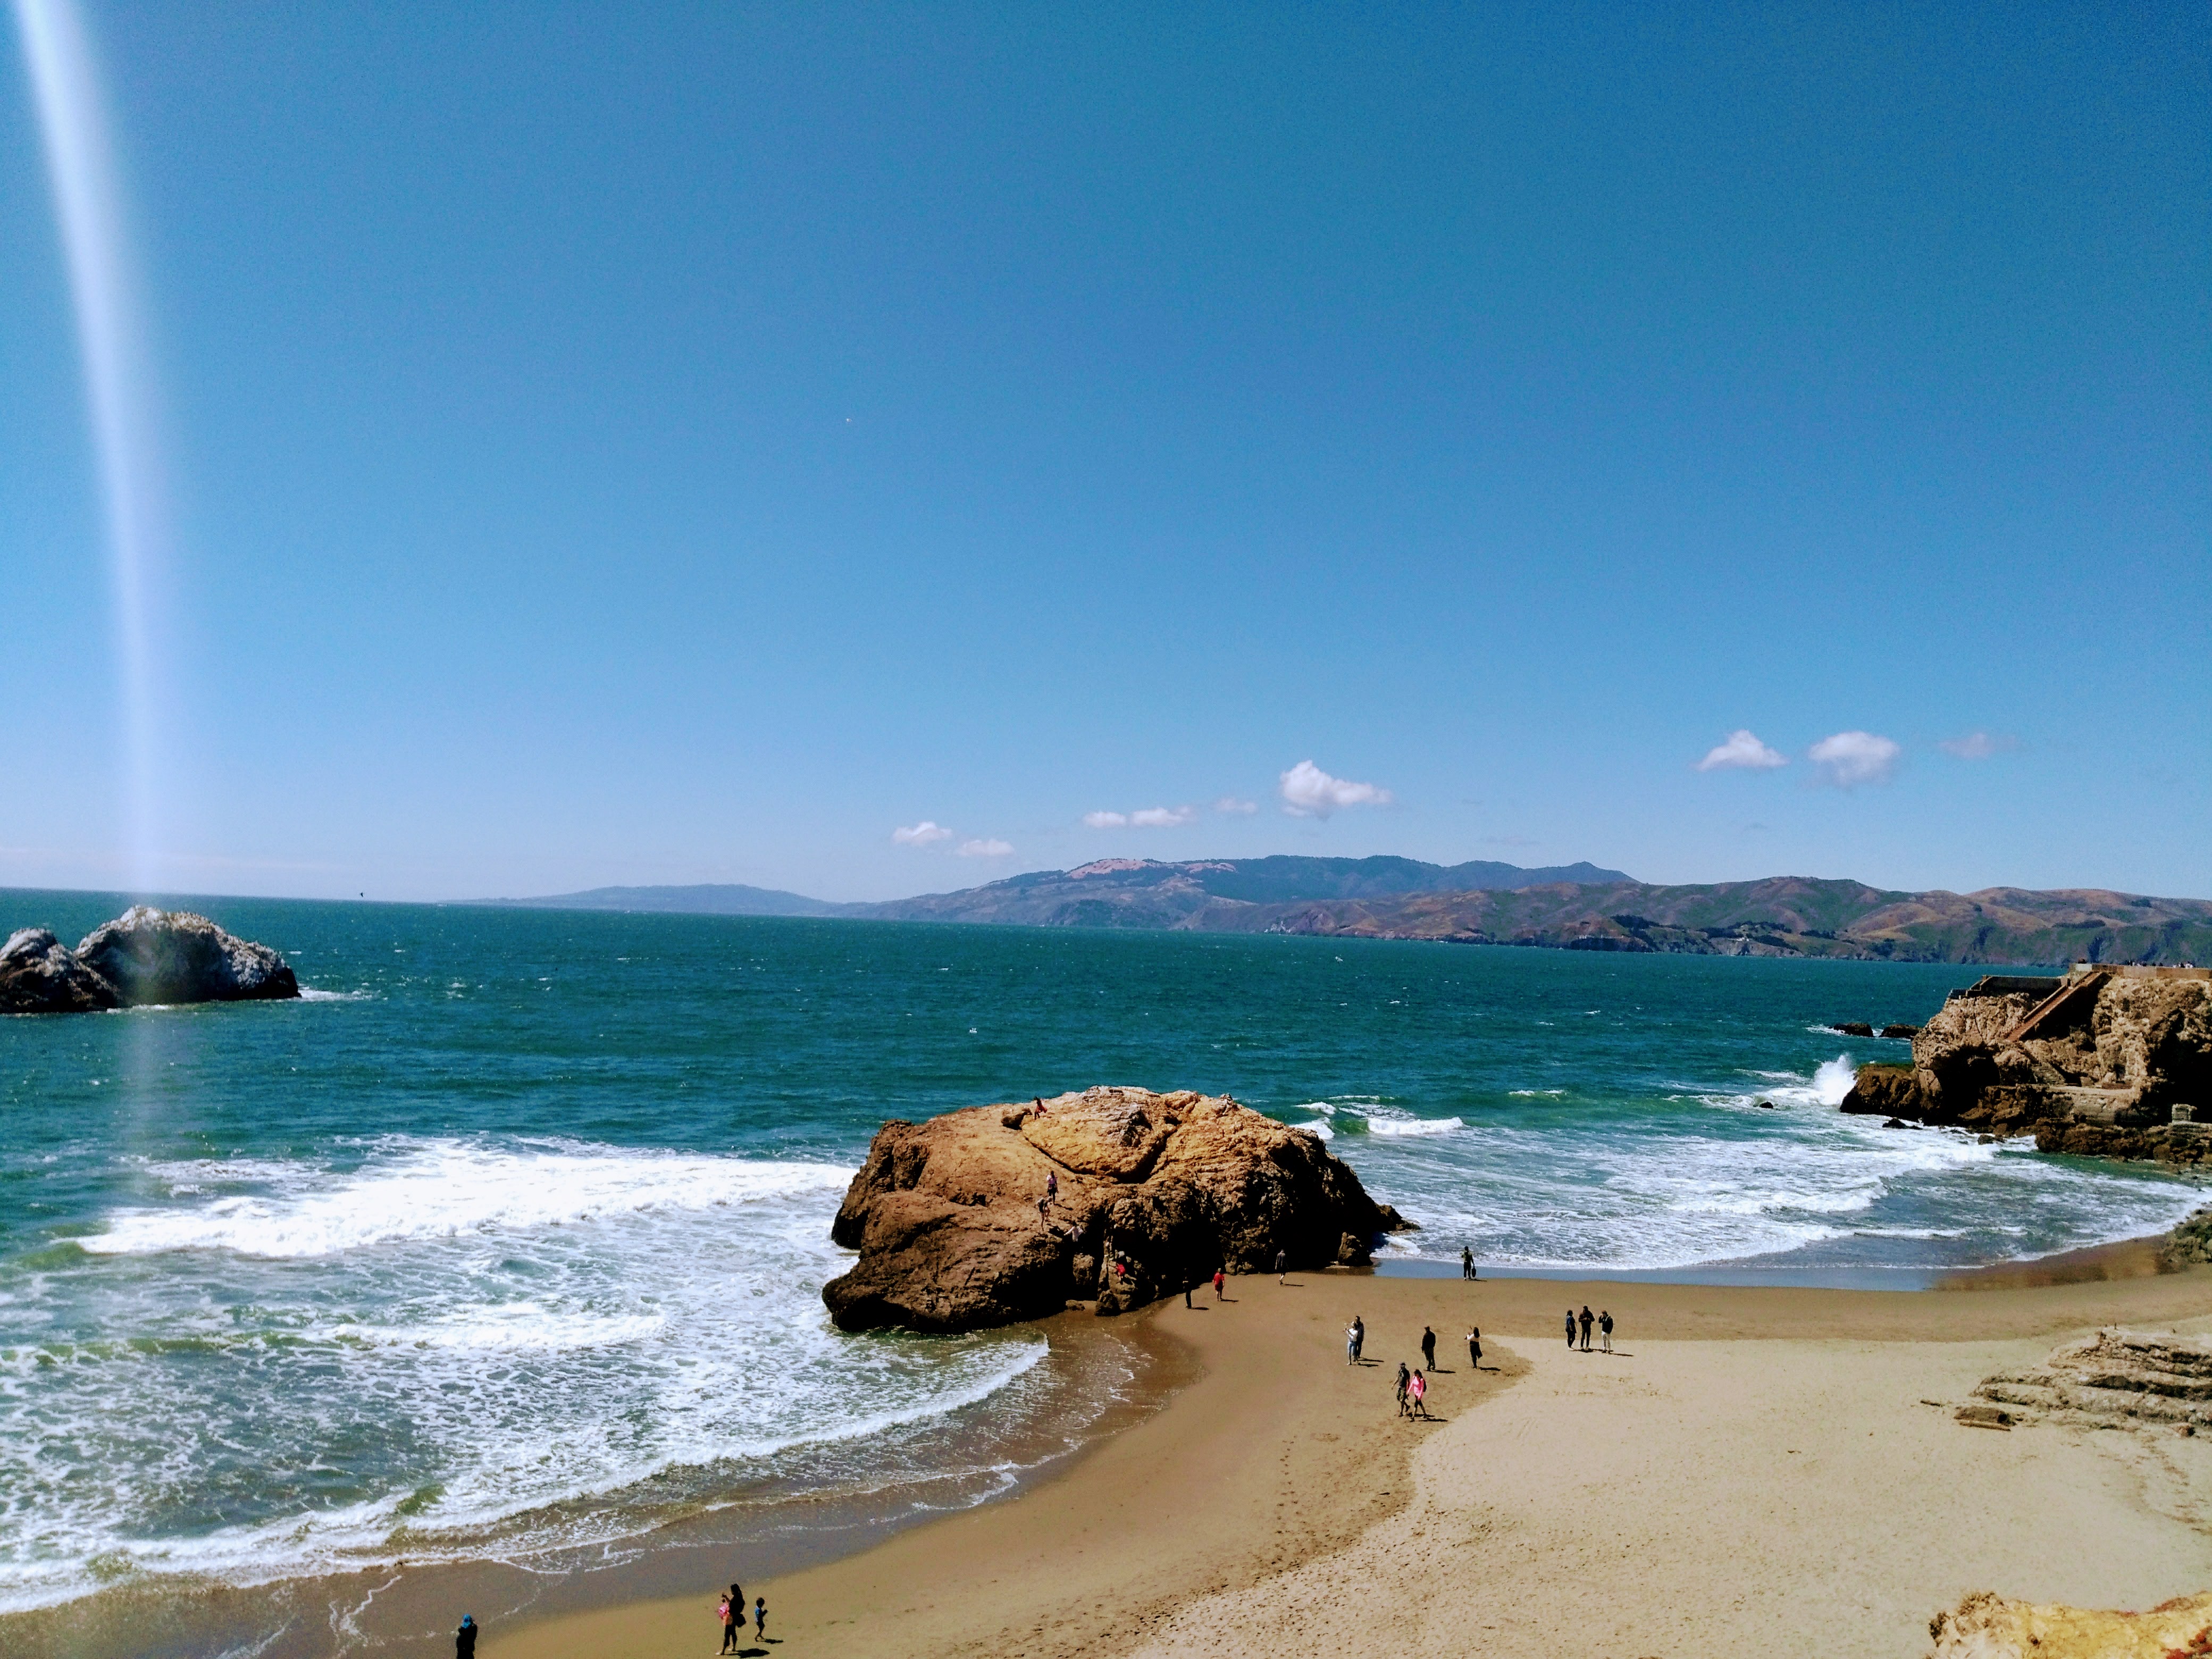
(2102, 1061)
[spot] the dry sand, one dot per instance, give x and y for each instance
(1754, 1473)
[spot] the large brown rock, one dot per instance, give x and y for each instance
(1155, 1191)
(1884, 1092)
(39, 974)
(153, 956)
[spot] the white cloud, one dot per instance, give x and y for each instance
(1741, 749)
(984, 849)
(1149, 817)
(1849, 758)
(1979, 745)
(921, 835)
(1310, 792)
(1241, 808)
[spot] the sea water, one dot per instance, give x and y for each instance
(509, 1237)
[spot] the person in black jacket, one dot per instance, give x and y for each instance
(465, 1639)
(1428, 1349)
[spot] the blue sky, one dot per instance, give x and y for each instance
(691, 446)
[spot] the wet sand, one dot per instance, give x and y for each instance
(1754, 1466)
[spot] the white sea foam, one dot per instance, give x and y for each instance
(1413, 1126)
(1536, 1094)
(1832, 1081)
(309, 994)
(444, 1189)
(511, 1335)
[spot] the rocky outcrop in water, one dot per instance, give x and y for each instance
(1154, 1192)
(143, 957)
(39, 974)
(1991, 1627)
(2113, 1063)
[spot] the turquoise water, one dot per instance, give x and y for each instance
(513, 1233)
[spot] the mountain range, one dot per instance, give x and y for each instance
(1571, 907)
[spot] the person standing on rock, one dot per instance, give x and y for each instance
(1475, 1347)
(1052, 1185)
(1570, 1327)
(1605, 1325)
(1586, 1327)
(1428, 1349)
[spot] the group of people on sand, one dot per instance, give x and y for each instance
(1413, 1385)
(1581, 1324)
(730, 1610)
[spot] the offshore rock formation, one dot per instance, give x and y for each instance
(1155, 1191)
(2101, 1061)
(1990, 1627)
(39, 974)
(143, 957)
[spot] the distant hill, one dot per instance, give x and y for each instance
(1576, 907)
(1784, 915)
(719, 899)
(1145, 893)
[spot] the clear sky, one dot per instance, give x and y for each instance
(691, 443)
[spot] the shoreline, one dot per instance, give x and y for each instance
(1230, 1422)
(1277, 1455)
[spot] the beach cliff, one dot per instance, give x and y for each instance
(1153, 1192)
(2100, 1061)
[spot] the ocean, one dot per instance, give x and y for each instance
(508, 1240)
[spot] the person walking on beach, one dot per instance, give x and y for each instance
(1358, 1335)
(1475, 1347)
(1466, 1262)
(1605, 1325)
(1352, 1341)
(1282, 1267)
(1418, 1391)
(1218, 1279)
(729, 1611)
(1586, 1327)
(1428, 1348)
(1570, 1327)
(465, 1639)
(760, 1615)
(1405, 1381)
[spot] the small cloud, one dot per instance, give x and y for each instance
(921, 835)
(1149, 817)
(1851, 758)
(1310, 792)
(1741, 749)
(1979, 745)
(984, 849)
(1240, 808)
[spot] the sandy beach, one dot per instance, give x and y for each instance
(1754, 1465)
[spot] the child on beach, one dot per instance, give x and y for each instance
(1475, 1347)
(727, 1611)
(760, 1615)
